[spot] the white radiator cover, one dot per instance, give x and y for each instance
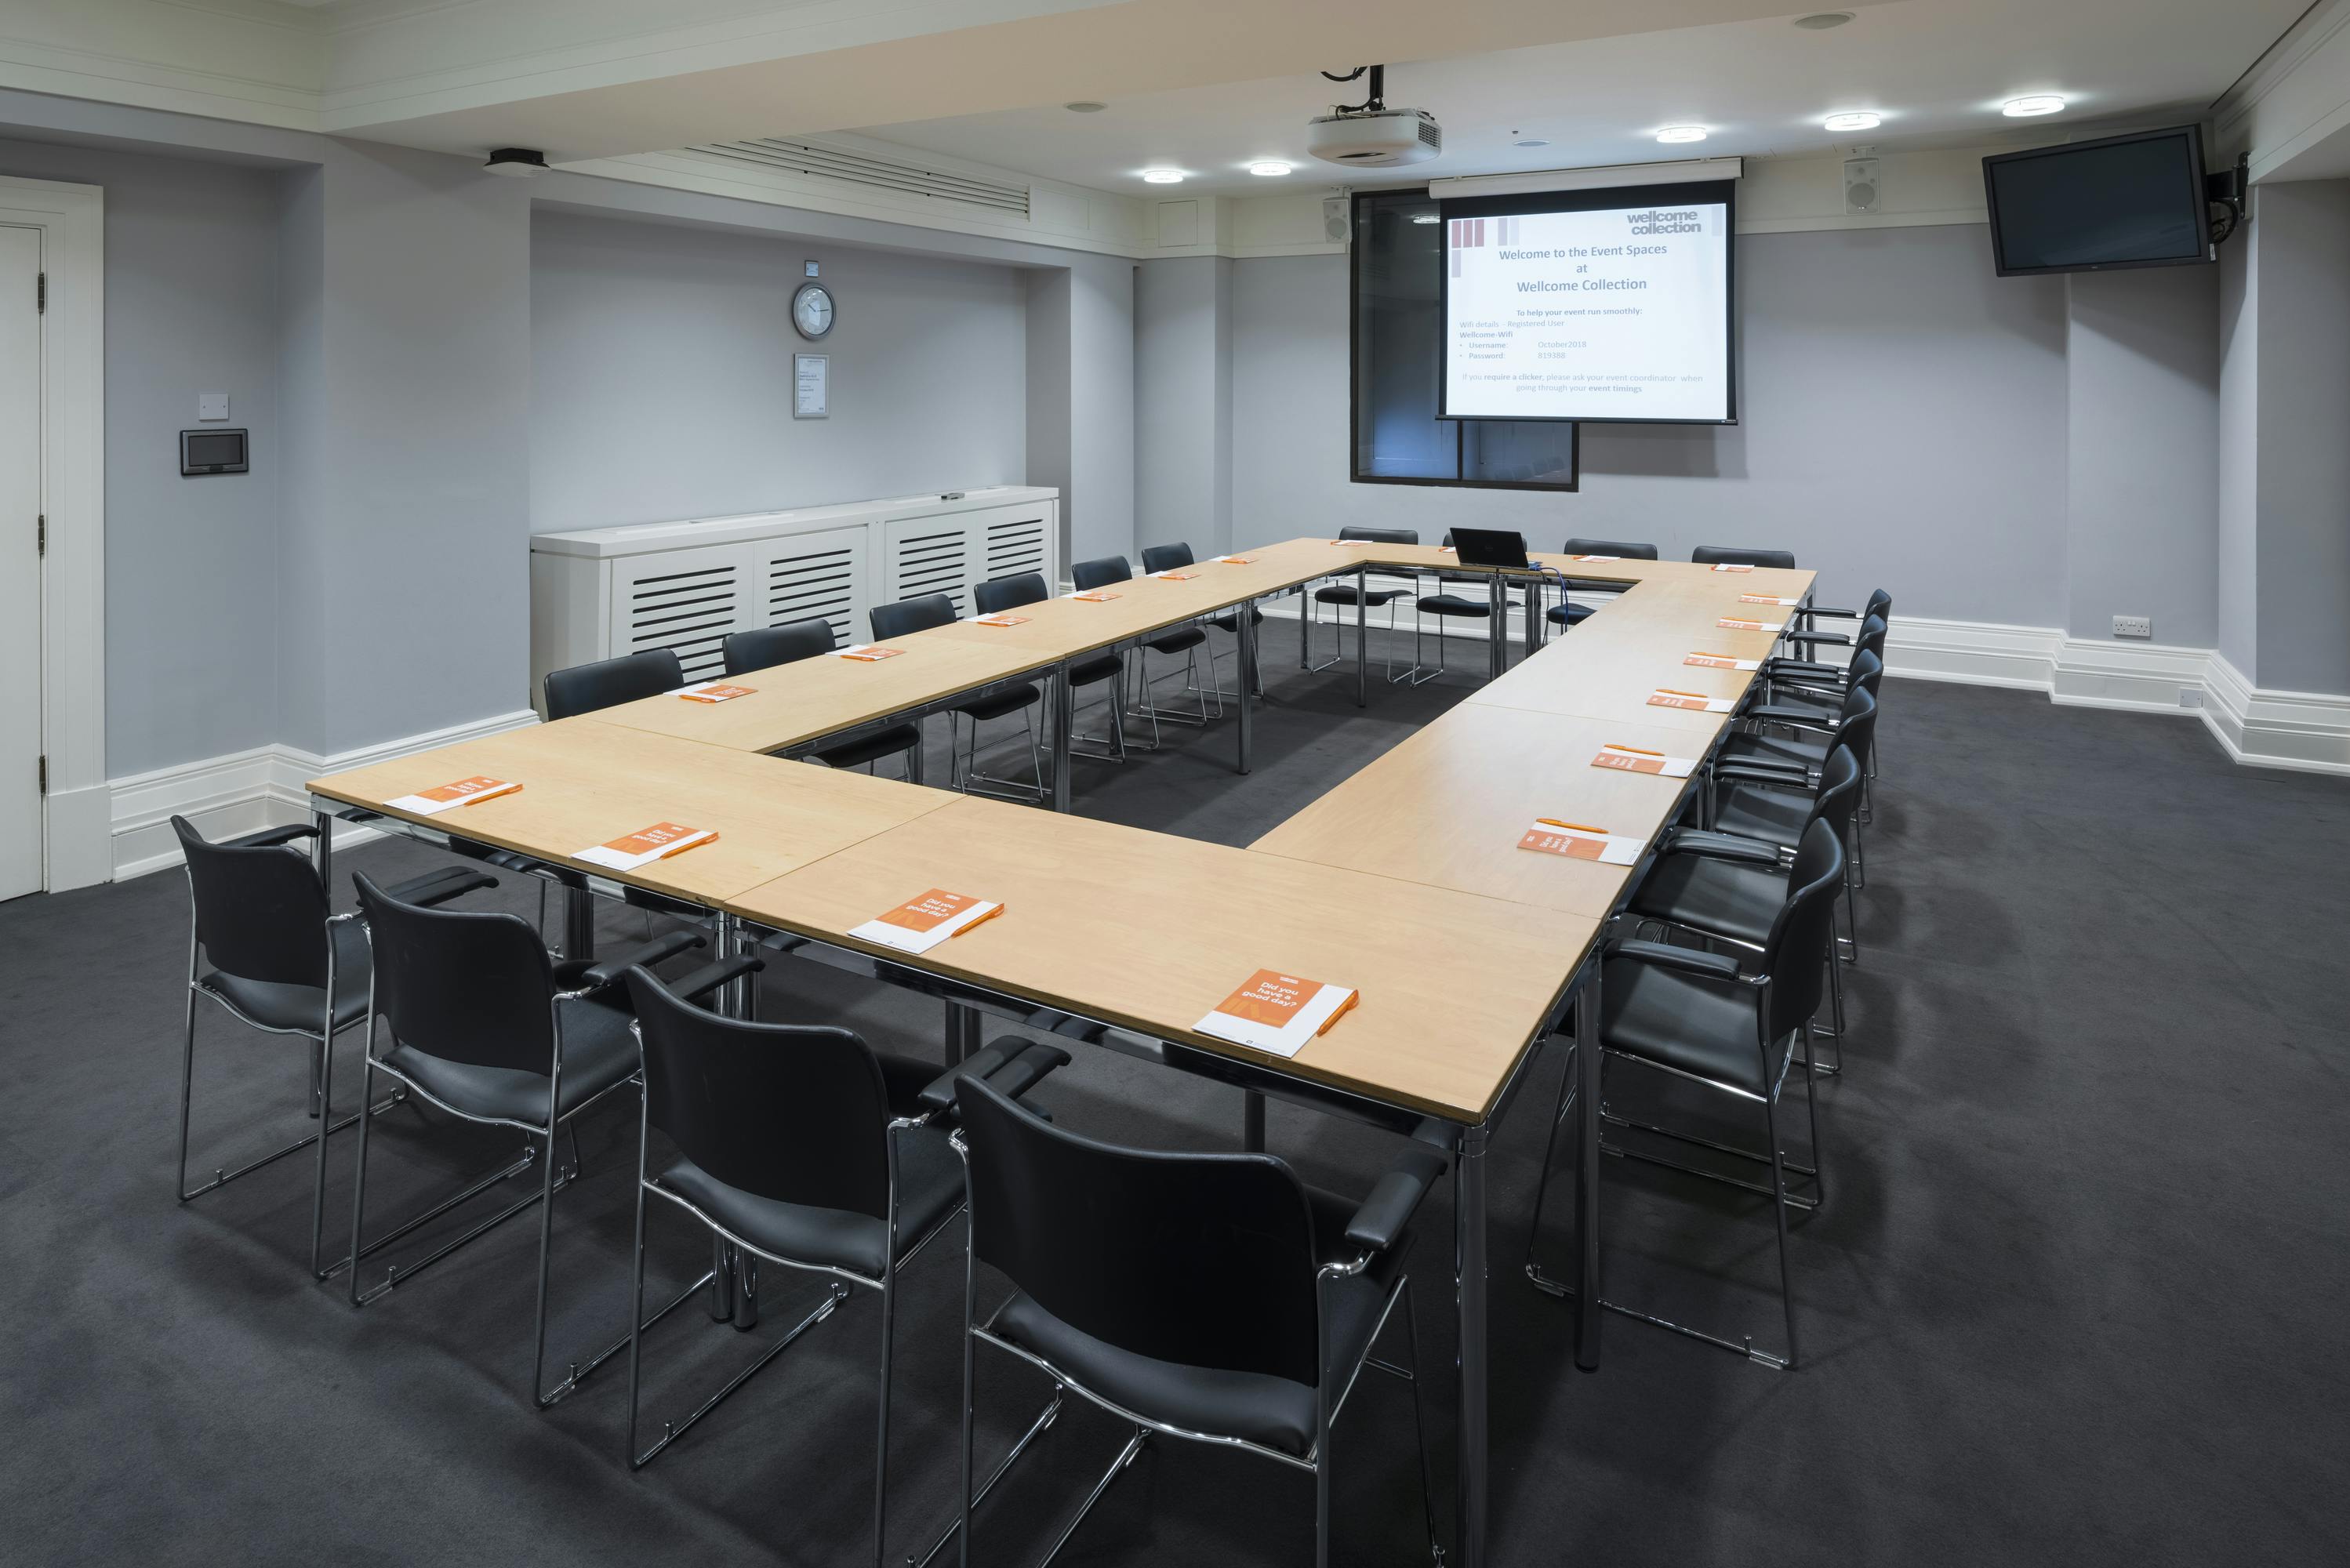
(599, 593)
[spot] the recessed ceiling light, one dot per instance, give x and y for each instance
(1426, 218)
(1270, 168)
(1859, 119)
(1162, 176)
(1532, 142)
(1085, 106)
(2032, 104)
(1672, 133)
(1821, 21)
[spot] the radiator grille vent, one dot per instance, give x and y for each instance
(862, 168)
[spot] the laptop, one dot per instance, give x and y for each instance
(1490, 548)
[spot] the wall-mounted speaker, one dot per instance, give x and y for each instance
(1337, 226)
(1862, 191)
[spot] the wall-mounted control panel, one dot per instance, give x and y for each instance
(210, 451)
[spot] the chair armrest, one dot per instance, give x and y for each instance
(604, 972)
(1836, 614)
(271, 837)
(1378, 1223)
(701, 982)
(1836, 638)
(1721, 847)
(435, 887)
(1012, 1066)
(1687, 961)
(1801, 669)
(1770, 775)
(1793, 718)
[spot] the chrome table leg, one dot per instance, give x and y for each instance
(1363, 637)
(1063, 717)
(1469, 1248)
(1589, 1053)
(1244, 635)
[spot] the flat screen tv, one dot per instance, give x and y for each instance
(2099, 206)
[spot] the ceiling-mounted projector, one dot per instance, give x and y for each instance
(1370, 135)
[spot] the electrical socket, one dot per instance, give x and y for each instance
(2132, 626)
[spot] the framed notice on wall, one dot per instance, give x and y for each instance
(811, 386)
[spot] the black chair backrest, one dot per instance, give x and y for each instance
(1384, 535)
(1731, 555)
(1881, 605)
(1867, 670)
(1088, 574)
(768, 645)
(1793, 954)
(1611, 547)
(908, 616)
(1205, 1260)
(1870, 637)
(584, 688)
(467, 987)
(261, 914)
(1001, 594)
(792, 1113)
(1839, 793)
(1167, 557)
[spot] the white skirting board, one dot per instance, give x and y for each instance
(2306, 730)
(246, 792)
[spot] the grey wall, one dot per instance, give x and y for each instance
(662, 374)
(1183, 402)
(192, 304)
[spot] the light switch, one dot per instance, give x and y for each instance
(212, 406)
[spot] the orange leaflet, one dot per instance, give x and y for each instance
(1272, 999)
(467, 792)
(935, 908)
(1095, 597)
(870, 654)
(714, 693)
(644, 841)
(1001, 619)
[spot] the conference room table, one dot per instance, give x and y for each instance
(1405, 881)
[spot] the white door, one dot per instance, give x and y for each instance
(20, 563)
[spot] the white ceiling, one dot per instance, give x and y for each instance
(1936, 70)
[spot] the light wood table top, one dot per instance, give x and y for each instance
(585, 782)
(1151, 932)
(1447, 806)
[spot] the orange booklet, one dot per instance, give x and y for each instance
(867, 652)
(443, 797)
(1705, 660)
(1175, 576)
(1360, 543)
(1768, 600)
(922, 923)
(1551, 837)
(1696, 701)
(713, 692)
(1003, 617)
(1096, 596)
(1237, 560)
(646, 844)
(1735, 623)
(1731, 566)
(1277, 1013)
(1634, 759)
(1599, 557)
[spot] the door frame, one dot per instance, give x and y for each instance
(76, 813)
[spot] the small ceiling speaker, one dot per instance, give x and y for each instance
(1337, 227)
(1861, 190)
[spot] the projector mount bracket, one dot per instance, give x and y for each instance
(2229, 189)
(1377, 89)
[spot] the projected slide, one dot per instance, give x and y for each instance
(1618, 313)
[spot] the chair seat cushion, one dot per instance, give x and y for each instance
(1570, 613)
(1182, 640)
(1808, 749)
(1255, 1406)
(1000, 701)
(295, 1008)
(1724, 897)
(1826, 704)
(599, 1050)
(1756, 811)
(1705, 1027)
(1087, 671)
(1344, 594)
(885, 742)
(930, 1187)
(1454, 603)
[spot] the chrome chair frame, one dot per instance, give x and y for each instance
(1313, 613)
(962, 762)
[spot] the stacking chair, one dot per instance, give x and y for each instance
(1343, 597)
(1881, 605)
(1876, 617)
(609, 682)
(805, 1148)
(1799, 755)
(258, 917)
(1702, 1018)
(1186, 640)
(768, 645)
(481, 1023)
(1566, 612)
(1734, 555)
(1174, 558)
(1446, 605)
(999, 595)
(998, 702)
(1212, 1297)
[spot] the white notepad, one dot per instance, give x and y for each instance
(1577, 843)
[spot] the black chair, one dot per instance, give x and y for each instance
(609, 682)
(1701, 1019)
(1002, 700)
(1212, 1297)
(1881, 605)
(768, 645)
(481, 1023)
(803, 1147)
(1878, 611)
(1185, 640)
(1174, 558)
(1734, 555)
(1343, 595)
(999, 595)
(1566, 612)
(1803, 747)
(258, 917)
(1447, 605)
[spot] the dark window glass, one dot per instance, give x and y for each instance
(1397, 263)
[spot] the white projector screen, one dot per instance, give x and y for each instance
(1592, 305)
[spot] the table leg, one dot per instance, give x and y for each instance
(1244, 640)
(1498, 604)
(914, 757)
(1469, 1282)
(963, 1033)
(1534, 618)
(1064, 716)
(1363, 637)
(322, 860)
(1589, 1313)
(578, 923)
(1252, 1121)
(1304, 626)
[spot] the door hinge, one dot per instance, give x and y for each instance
(41, 534)
(45, 775)
(41, 293)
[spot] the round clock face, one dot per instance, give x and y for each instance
(812, 310)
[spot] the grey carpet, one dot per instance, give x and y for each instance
(2077, 1295)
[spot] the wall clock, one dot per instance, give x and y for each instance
(812, 311)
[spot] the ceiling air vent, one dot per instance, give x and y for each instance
(882, 174)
